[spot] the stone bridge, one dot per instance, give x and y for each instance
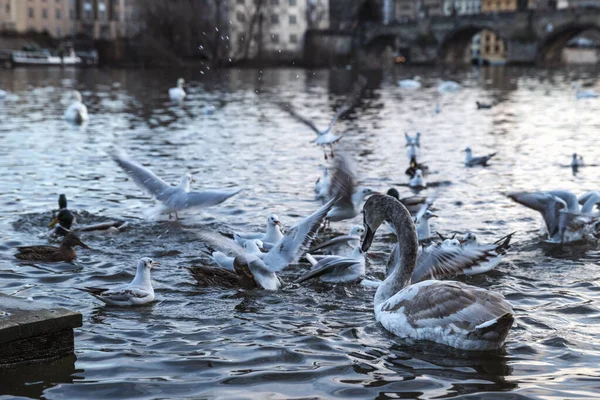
(530, 37)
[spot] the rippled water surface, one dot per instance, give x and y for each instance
(317, 340)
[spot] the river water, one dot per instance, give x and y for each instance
(316, 340)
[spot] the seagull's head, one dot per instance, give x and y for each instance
(366, 192)
(451, 242)
(148, 263)
(180, 82)
(186, 181)
(357, 230)
(428, 214)
(273, 220)
(467, 150)
(468, 238)
(419, 173)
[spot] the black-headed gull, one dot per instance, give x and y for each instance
(77, 112)
(471, 161)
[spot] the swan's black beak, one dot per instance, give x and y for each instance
(369, 235)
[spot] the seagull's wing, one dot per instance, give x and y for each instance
(439, 262)
(545, 204)
(343, 181)
(342, 110)
(143, 177)
(288, 107)
(296, 240)
(219, 242)
(327, 265)
(426, 204)
(124, 294)
(202, 199)
(334, 242)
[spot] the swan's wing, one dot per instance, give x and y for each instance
(219, 242)
(327, 265)
(143, 177)
(296, 240)
(439, 262)
(334, 242)
(202, 199)
(343, 181)
(288, 107)
(544, 203)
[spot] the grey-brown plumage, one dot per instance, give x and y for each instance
(51, 253)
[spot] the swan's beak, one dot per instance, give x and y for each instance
(369, 235)
(54, 222)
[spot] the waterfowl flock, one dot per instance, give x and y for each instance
(417, 298)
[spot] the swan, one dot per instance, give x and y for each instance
(77, 111)
(177, 93)
(445, 312)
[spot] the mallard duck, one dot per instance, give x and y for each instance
(136, 293)
(51, 253)
(240, 278)
(64, 221)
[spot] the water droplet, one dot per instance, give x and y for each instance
(201, 47)
(216, 29)
(230, 60)
(202, 72)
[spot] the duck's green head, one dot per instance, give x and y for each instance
(64, 218)
(62, 201)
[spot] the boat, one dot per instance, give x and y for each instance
(44, 57)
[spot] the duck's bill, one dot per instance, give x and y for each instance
(85, 246)
(53, 223)
(368, 240)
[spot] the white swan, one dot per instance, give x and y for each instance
(138, 292)
(446, 312)
(177, 93)
(77, 111)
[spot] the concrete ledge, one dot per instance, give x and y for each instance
(32, 331)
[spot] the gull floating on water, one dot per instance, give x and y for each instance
(269, 238)
(260, 271)
(471, 161)
(341, 245)
(418, 181)
(172, 198)
(565, 221)
(138, 292)
(446, 312)
(77, 111)
(449, 87)
(177, 93)
(335, 269)
(409, 83)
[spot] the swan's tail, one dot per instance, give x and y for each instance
(494, 330)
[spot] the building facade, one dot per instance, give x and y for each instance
(99, 19)
(273, 28)
(462, 7)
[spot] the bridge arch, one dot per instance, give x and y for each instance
(453, 47)
(550, 48)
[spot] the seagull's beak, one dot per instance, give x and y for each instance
(154, 264)
(54, 222)
(278, 223)
(433, 216)
(193, 180)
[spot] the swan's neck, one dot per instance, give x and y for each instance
(142, 277)
(408, 247)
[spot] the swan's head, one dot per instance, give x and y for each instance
(468, 238)
(75, 95)
(180, 82)
(273, 220)
(374, 212)
(357, 230)
(394, 193)
(148, 263)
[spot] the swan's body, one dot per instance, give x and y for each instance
(138, 292)
(77, 112)
(446, 312)
(177, 93)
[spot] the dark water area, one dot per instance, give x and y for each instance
(304, 341)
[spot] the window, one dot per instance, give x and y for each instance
(275, 38)
(240, 16)
(58, 13)
(7, 8)
(497, 48)
(292, 20)
(293, 38)
(44, 13)
(31, 13)
(292, 2)
(240, 1)
(71, 14)
(274, 2)
(487, 49)
(58, 31)
(274, 19)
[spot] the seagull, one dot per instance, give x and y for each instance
(417, 181)
(77, 112)
(584, 93)
(483, 106)
(564, 220)
(577, 162)
(138, 292)
(341, 245)
(336, 269)
(409, 83)
(288, 250)
(172, 198)
(449, 87)
(423, 230)
(471, 161)
(250, 246)
(322, 186)
(343, 186)
(177, 93)
(269, 238)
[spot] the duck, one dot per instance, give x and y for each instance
(177, 93)
(414, 166)
(471, 161)
(341, 245)
(414, 204)
(62, 224)
(336, 269)
(240, 278)
(51, 253)
(77, 112)
(446, 312)
(483, 106)
(417, 181)
(272, 235)
(136, 293)
(263, 268)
